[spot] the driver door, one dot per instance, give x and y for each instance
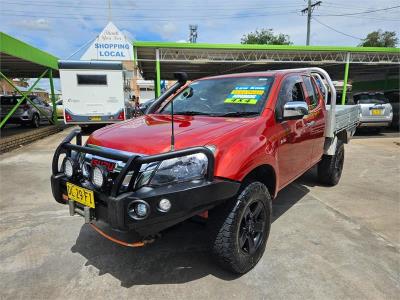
(294, 141)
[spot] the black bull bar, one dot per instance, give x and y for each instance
(132, 162)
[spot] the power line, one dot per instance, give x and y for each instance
(140, 18)
(370, 18)
(338, 31)
(360, 13)
(122, 7)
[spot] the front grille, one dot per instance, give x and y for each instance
(86, 164)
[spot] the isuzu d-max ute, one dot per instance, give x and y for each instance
(221, 147)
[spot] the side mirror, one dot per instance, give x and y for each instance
(181, 77)
(295, 110)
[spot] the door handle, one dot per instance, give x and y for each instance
(312, 123)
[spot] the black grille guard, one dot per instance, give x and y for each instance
(132, 162)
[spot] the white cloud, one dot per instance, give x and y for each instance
(167, 30)
(34, 24)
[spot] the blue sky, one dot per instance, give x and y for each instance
(62, 27)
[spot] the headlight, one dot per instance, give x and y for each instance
(178, 169)
(98, 177)
(68, 167)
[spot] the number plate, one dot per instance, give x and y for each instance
(80, 194)
(376, 112)
(95, 118)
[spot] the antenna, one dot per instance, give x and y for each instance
(193, 33)
(181, 77)
(172, 127)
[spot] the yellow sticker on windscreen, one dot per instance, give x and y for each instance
(245, 95)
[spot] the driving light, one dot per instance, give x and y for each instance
(164, 205)
(98, 177)
(68, 167)
(138, 209)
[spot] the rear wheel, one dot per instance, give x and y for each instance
(331, 166)
(240, 228)
(35, 121)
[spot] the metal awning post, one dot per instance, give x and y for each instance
(346, 77)
(158, 74)
(53, 96)
(24, 96)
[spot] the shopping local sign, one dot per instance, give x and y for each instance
(111, 44)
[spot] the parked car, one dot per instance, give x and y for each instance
(26, 113)
(60, 109)
(393, 98)
(235, 141)
(375, 111)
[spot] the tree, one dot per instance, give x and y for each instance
(380, 38)
(24, 82)
(266, 36)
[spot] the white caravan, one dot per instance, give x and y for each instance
(94, 92)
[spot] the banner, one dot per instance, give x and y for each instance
(111, 44)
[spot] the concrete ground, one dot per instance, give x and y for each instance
(326, 243)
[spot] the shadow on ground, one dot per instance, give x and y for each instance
(365, 133)
(180, 255)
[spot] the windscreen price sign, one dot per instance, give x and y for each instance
(111, 44)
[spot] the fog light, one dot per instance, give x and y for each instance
(68, 167)
(141, 210)
(98, 177)
(164, 205)
(138, 209)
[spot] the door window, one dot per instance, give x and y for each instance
(291, 90)
(312, 95)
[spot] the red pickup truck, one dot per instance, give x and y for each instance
(221, 147)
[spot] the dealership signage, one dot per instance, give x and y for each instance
(111, 44)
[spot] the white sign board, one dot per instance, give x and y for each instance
(111, 44)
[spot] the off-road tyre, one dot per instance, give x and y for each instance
(227, 224)
(331, 166)
(35, 123)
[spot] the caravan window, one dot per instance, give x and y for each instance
(92, 79)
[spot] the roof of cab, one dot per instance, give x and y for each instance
(261, 73)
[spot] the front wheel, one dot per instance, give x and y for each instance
(241, 227)
(35, 121)
(331, 166)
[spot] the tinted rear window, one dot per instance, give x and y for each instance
(10, 100)
(92, 79)
(377, 98)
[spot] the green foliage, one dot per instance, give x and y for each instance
(266, 36)
(380, 38)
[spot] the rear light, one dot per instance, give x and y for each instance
(121, 116)
(68, 117)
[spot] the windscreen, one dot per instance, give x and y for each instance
(231, 96)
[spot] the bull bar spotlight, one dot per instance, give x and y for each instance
(98, 176)
(69, 167)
